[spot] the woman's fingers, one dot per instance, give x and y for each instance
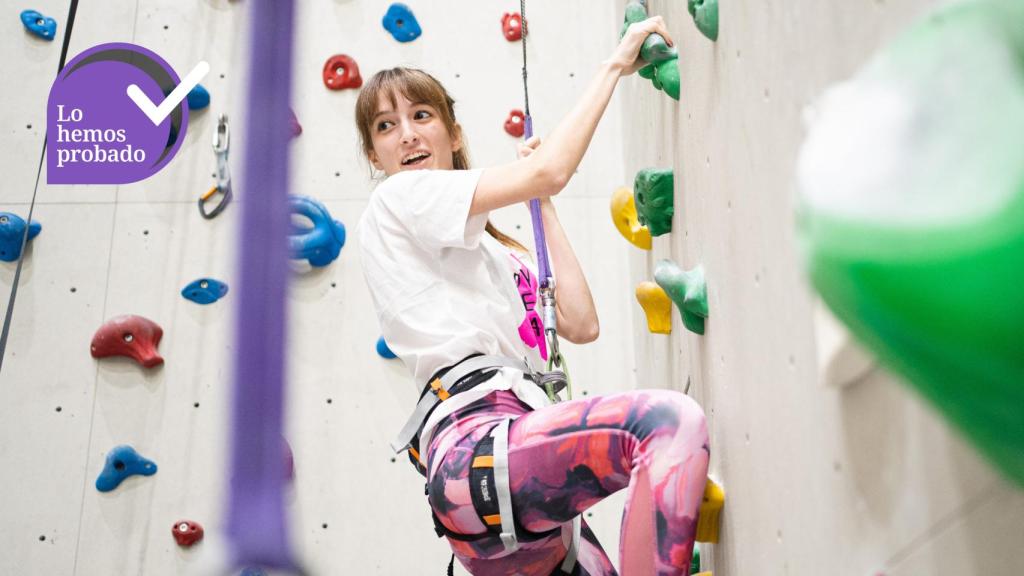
(526, 148)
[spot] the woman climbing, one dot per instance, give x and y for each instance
(509, 474)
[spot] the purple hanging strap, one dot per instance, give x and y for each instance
(539, 240)
(256, 522)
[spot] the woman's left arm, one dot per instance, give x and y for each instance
(574, 305)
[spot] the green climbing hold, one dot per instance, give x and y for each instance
(912, 215)
(695, 560)
(653, 191)
(705, 16)
(655, 49)
(688, 289)
(647, 72)
(667, 78)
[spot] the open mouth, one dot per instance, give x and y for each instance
(417, 159)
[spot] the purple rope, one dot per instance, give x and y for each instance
(543, 268)
(256, 521)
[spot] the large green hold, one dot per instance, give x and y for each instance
(653, 191)
(654, 49)
(689, 291)
(705, 16)
(912, 215)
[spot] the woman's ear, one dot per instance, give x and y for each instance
(457, 138)
(372, 155)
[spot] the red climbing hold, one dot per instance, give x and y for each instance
(515, 124)
(340, 72)
(186, 533)
(132, 336)
(512, 26)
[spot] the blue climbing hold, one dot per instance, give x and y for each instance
(383, 350)
(12, 229)
(321, 243)
(39, 25)
(198, 98)
(122, 462)
(205, 291)
(401, 23)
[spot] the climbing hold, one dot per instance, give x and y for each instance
(186, 533)
(341, 72)
(911, 216)
(515, 124)
(653, 192)
(401, 23)
(198, 98)
(647, 72)
(383, 350)
(657, 306)
(122, 462)
(132, 336)
(626, 221)
(39, 25)
(695, 560)
(654, 49)
(205, 291)
(293, 122)
(321, 243)
(666, 78)
(12, 230)
(705, 16)
(687, 289)
(512, 26)
(710, 512)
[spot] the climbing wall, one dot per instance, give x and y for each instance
(112, 250)
(856, 479)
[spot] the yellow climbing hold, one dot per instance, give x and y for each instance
(656, 305)
(626, 221)
(710, 512)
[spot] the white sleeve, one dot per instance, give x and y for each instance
(433, 206)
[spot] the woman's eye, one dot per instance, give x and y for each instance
(421, 114)
(383, 125)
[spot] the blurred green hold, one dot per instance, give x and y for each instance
(688, 289)
(654, 49)
(653, 191)
(663, 67)
(919, 249)
(695, 560)
(705, 16)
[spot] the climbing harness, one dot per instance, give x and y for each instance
(456, 387)
(72, 10)
(221, 146)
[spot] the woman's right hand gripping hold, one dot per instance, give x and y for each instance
(547, 171)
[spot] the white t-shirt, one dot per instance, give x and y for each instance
(444, 288)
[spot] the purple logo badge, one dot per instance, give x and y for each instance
(116, 114)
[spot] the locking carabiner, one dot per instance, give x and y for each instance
(221, 146)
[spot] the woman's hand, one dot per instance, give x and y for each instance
(626, 56)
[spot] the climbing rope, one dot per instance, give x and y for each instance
(72, 10)
(547, 281)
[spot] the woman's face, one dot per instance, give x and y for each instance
(410, 137)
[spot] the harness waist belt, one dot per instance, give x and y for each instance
(439, 390)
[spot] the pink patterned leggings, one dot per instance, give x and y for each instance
(565, 458)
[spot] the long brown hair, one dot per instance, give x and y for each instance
(420, 87)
